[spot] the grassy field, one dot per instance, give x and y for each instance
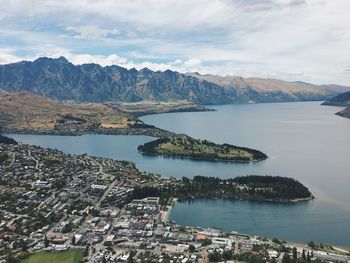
(197, 147)
(71, 256)
(27, 111)
(186, 147)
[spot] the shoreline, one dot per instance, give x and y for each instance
(200, 159)
(291, 201)
(174, 203)
(166, 213)
(301, 245)
(146, 131)
(339, 248)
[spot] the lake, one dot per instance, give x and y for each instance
(303, 140)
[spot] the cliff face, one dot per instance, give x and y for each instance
(60, 79)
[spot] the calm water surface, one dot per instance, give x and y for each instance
(305, 141)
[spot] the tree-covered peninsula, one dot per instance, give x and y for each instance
(187, 147)
(252, 187)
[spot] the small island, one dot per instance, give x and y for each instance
(251, 187)
(187, 147)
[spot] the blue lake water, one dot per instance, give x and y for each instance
(304, 140)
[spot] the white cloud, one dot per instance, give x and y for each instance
(6, 56)
(290, 39)
(192, 64)
(92, 31)
(177, 62)
(97, 59)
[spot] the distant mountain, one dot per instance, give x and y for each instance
(60, 79)
(342, 100)
(271, 90)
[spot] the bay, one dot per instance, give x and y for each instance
(303, 140)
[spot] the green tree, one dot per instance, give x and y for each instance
(275, 240)
(131, 257)
(10, 258)
(86, 251)
(46, 242)
(286, 258)
(311, 244)
(206, 242)
(214, 257)
(295, 254)
(308, 257)
(303, 255)
(24, 246)
(227, 255)
(191, 248)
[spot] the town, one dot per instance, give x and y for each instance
(56, 204)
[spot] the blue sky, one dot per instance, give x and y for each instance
(305, 40)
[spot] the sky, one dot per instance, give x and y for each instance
(306, 40)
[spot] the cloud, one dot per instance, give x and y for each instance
(6, 56)
(289, 39)
(97, 59)
(192, 63)
(92, 31)
(297, 2)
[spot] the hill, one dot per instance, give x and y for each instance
(253, 90)
(342, 100)
(60, 79)
(25, 112)
(186, 147)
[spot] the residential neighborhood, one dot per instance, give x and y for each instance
(53, 202)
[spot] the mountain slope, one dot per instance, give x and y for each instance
(342, 100)
(271, 90)
(60, 79)
(29, 113)
(25, 111)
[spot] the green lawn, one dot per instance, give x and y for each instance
(197, 147)
(71, 256)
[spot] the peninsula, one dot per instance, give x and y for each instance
(32, 114)
(187, 147)
(251, 187)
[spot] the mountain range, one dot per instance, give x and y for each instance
(59, 79)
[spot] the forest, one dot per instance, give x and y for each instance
(251, 187)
